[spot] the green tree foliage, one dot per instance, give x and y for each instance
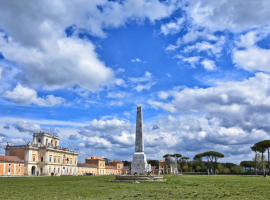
(168, 155)
(127, 163)
(226, 170)
(211, 156)
(186, 168)
(247, 164)
(198, 168)
(237, 168)
(264, 145)
(220, 168)
(153, 162)
(257, 150)
(177, 155)
(178, 167)
(182, 162)
(259, 162)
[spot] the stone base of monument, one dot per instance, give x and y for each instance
(139, 178)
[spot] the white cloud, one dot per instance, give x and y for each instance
(229, 14)
(120, 70)
(163, 95)
(25, 96)
(114, 125)
(172, 27)
(231, 104)
(116, 103)
(136, 60)
(206, 46)
(147, 86)
(252, 59)
(119, 95)
(64, 63)
(192, 60)
(1, 70)
(147, 77)
(25, 126)
(209, 64)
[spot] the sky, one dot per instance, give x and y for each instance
(199, 68)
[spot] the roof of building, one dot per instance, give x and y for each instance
(115, 161)
(94, 158)
(11, 159)
(154, 167)
(162, 160)
(110, 167)
(86, 165)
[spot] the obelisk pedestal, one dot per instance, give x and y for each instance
(138, 164)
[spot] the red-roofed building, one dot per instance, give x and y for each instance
(11, 165)
(83, 168)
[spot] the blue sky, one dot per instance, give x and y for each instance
(200, 69)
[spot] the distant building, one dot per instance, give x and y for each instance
(11, 165)
(44, 156)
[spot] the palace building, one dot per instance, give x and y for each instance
(44, 156)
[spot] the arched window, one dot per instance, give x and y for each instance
(39, 140)
(56, 143)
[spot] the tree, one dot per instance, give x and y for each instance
(256, 149)
(226, 170)
(198, 168)
(153, 162)
(168, 155)
(183, 160)
(199, 157)
(178, 155)
(246, 164)
(259, 161)
(237, 168)
(211, 156)
(220, 168)
(265, 144)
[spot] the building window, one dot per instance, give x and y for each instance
(103, 165)
(54, 170)
(55, 159)
(9, 165)
(58, 170)
(50, 159)
(70, 160)
(47, 142)
(41, 170)
(56, 143)
(49, 170)
(41, 159)
(58, 159)
(19, 165)
(70, 170)
(75, 162)
(52, 142)
(19, 171)
(39, 140)
(34, 158)
(9, 170)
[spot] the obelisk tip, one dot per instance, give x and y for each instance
(139, 105)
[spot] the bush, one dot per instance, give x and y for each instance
(220, 168)
(237, 168)
(226, 170)
(198, 168)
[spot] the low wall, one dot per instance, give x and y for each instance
(224, 173)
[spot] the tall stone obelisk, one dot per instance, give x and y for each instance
(138, 164)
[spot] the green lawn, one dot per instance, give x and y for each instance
(100, 187)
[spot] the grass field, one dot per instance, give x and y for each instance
(100, 187)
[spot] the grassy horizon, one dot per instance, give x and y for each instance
(100, 187)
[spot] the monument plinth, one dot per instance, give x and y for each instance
(138, 164)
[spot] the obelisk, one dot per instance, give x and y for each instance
(138, 164)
